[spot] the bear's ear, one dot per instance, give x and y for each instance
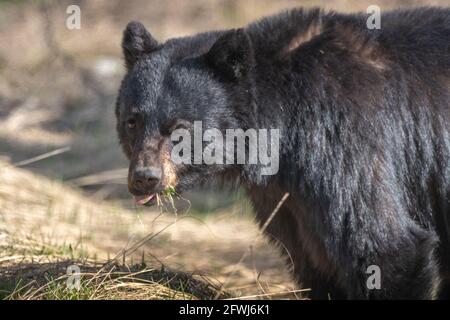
(136, 41)
(231, 55)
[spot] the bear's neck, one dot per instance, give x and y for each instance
(289, 96)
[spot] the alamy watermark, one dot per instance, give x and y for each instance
(374, 280)
(252, 146)
(374, 19)
(73, 21)
(74, 277)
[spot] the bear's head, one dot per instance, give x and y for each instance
(184, 82)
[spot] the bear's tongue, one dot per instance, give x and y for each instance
(141, 200)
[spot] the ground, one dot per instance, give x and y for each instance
(46, 226)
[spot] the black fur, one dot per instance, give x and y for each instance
(365, 149)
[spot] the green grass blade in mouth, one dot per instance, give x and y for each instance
(169, 191)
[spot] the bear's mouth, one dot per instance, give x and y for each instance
(145, 200)
(150, 199)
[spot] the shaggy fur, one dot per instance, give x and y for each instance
(365, 148)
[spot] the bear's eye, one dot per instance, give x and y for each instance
(181, 125)
(177, 124)
(131, 123)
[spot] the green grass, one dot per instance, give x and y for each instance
(42, 274)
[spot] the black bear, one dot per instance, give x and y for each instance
(364, 150)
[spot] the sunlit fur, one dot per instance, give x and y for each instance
(365, 148)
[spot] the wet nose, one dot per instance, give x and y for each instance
(145, 179)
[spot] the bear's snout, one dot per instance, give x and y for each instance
(144, 180)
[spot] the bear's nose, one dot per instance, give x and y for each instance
(145, 179)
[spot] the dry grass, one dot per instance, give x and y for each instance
(39, 274)
(33, 268)
(46, 226)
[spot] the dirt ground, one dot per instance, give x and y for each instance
(44, 223)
